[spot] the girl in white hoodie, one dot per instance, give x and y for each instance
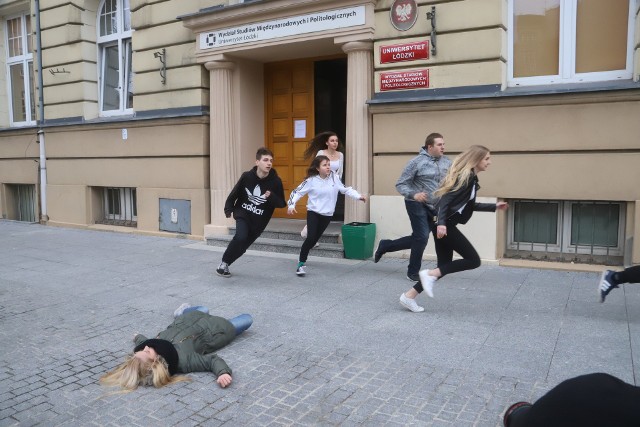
(322, 185)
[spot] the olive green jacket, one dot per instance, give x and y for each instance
(196, 335)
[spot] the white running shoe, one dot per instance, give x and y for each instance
(301, 271)
(410, 304)
(427, 282)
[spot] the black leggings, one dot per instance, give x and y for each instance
(454, 241)
(629, 275)
(316, 224)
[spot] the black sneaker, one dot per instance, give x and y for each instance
(415, 278)
(223, 270)
(606, 284)
(379, 251)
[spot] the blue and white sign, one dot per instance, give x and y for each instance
(277, 28)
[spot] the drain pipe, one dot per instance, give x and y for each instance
(43, 155)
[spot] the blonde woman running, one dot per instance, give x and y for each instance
(456, 206)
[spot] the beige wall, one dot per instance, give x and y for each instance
(69, 43)
(157, 28)
(521, 134)
(161, 159)
(471, 43)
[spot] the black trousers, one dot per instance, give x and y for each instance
(241, 241)
(629, 275)
(454, 241)
(316, 225)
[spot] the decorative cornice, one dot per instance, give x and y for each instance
(220, 65)
(357, 46)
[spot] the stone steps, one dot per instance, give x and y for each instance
(283, 236)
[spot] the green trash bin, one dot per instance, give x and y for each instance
(358, 239)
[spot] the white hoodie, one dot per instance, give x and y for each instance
(323, 193)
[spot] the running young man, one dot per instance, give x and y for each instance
(252, 202)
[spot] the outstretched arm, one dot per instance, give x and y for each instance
(194, 362)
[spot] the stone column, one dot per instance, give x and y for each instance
(222, 143)
(358, 137)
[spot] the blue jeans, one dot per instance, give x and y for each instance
(241, 323)
(421, 218)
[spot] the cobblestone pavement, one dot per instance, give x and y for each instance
(333, 348)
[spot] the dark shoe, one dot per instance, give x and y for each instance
(223, 270)
(606, 284)
(415, 278)
(379, 251)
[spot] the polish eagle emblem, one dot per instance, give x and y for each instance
(403, 14)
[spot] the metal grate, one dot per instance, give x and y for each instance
(24, 202)
(567, 231)
(119, 206)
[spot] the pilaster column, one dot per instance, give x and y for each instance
(222, 143)
(358, 134)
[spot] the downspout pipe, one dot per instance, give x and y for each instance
(44, 217)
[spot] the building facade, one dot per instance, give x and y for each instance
(150, 110)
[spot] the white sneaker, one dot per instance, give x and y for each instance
(427, 282)
(303, 233)
(181, 309)
(410, 304)
(301, 271)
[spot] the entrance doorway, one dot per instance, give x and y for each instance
(303, 98)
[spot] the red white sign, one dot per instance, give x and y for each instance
(404, 80)
(403, 14)
(404, 52)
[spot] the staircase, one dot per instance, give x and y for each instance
(283, 236)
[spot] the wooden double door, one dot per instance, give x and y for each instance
(302, 97)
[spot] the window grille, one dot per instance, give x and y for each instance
(580, 231)
(24, 201)
(119, 206)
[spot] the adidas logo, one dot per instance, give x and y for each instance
(256, 198)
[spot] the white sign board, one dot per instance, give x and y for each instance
(299, 129)
(303, 24)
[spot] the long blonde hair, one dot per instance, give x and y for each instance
(134, 372)
(461, 169)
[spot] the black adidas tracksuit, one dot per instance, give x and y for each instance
(251, 210)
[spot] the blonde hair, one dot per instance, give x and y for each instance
(134, 372)
(461, 169)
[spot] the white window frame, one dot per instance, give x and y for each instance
(563, 236)
(567, 51)
(122, 39)
(25, 59)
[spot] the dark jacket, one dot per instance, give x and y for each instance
(592, 400)
(196, 335)
(451, 202)
(247, 200)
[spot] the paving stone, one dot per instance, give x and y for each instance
(312, 357)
